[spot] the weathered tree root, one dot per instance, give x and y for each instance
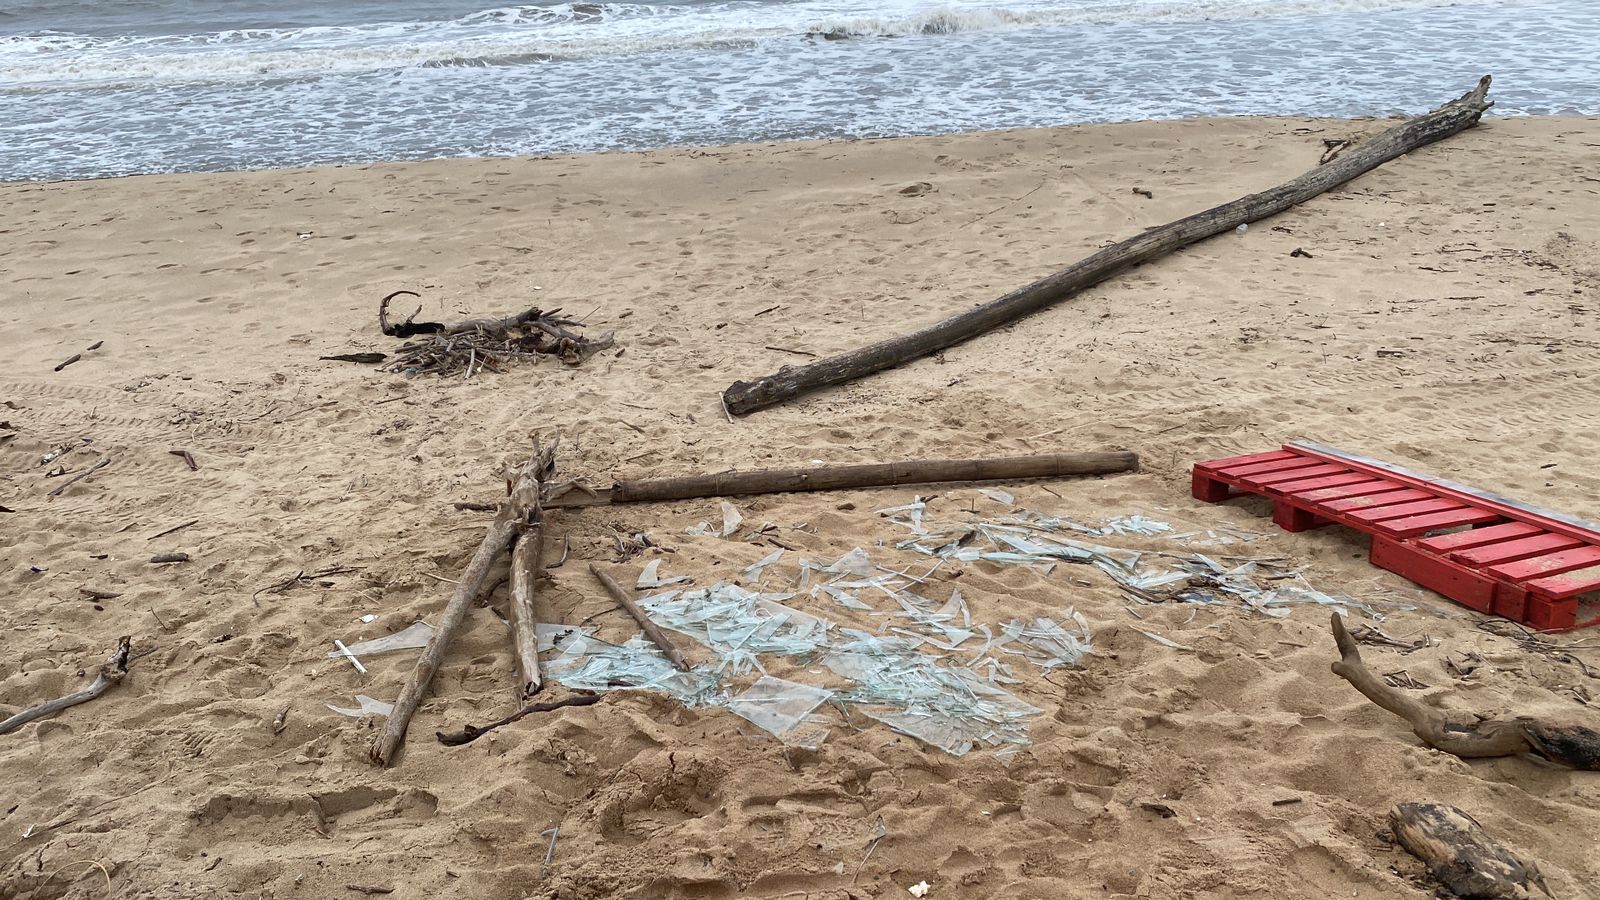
(1468, 737)
(1460, 854)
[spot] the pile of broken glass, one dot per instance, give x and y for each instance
(928, 671)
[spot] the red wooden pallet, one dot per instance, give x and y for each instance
(1489, 552)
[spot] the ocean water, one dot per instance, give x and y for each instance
(111, 87)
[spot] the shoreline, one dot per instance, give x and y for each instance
(1469, 263)
(775, 144)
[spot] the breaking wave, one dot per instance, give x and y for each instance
(528, 33)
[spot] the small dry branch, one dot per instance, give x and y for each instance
(104, 461)
(471, 733)
(109, 676)
(1468, 737)
(654, 631)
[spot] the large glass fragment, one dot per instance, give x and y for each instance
(776, 704)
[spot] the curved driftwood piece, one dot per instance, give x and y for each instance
(526, 564)
(503, 530)
(470, 733)
(651, 629)
(1462, 735)
(1460, 854)
(109, 675)
(744, 397)
(831, 478)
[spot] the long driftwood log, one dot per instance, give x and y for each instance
(744, 397)
(1467, 736)
(1460, 854)
(503, 530)
(651, 629)
(109, 676)
(828, 478)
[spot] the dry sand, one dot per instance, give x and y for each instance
(216, 293)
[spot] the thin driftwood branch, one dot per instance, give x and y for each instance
(470, 733)
(109, 675)
(789, 382)
(103, 462)
(526, 559)
(651, 629)
(1467, 736)
(507, 523)
(829, 478)
(1460, 854)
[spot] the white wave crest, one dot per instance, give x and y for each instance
(513, 34)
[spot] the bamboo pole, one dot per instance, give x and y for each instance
(744, 397)
(829, 478)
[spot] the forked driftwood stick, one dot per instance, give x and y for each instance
(789, 382)
(1460, 854)
(110, 675)
(829, 478)
(526, 558)
(523, 496)
(1467, 736)
(654, 631)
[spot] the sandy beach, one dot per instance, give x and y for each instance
(1471, 264)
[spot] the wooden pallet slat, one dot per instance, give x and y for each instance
(1300, 474)
(1489, 534)
(1367, 488)
(1520, 548)
(1377, 501)
(1567, 584)
(1248, 458)
(1402, 510)
(1549, 564)
(1291, 488)
(1271, 466)
(1412, 526)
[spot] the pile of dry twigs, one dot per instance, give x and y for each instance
(474, 345)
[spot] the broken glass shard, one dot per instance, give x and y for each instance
(776, 704)
(588, 663)
(366, 706)
(415, 635)
(753, 572)
(730, 519)
(650, 577)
